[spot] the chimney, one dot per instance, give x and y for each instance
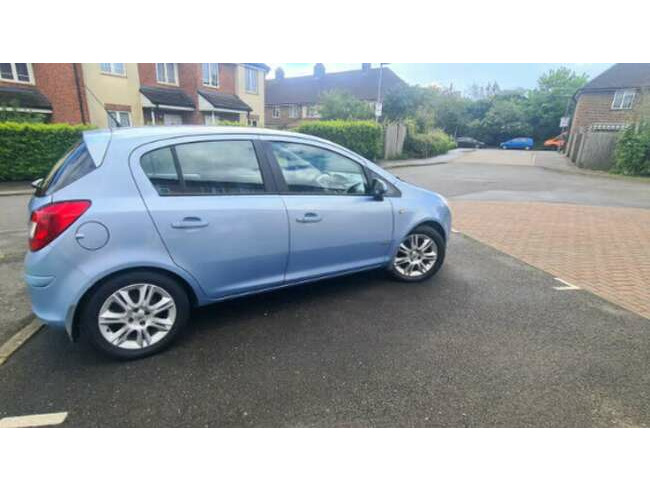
(319, 70)
(365, 67)
(279, 73)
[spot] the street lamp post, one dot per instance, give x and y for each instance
(378, 107)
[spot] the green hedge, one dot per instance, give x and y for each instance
(362, 137)
(28, 150)
(425, 145)
(632, 153)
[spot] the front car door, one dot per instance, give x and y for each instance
(335, 224)
(214, 207)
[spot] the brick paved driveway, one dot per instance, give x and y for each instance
(604, 250)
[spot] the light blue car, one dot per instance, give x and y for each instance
(134, 227)
(517, 144)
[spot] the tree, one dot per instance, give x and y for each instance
(505, 119)
(550, 100)
(337, 104)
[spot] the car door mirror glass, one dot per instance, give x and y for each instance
(379, 188)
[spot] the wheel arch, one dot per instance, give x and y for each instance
(184, 283)
(433, 224)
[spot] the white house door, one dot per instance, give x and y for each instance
(172, 119)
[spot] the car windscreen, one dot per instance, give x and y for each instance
(71, 167)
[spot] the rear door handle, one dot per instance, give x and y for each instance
(190, 222)
(309, 218)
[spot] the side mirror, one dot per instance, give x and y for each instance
(37, 183)
(378, 189)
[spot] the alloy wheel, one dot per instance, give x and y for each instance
(416, 255)
(137, 316)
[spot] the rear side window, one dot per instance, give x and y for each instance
(72, 166)
(205, 168)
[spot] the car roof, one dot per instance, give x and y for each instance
(120, 134)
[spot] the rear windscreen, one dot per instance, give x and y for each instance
(72, 166)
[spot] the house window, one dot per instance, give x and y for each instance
(211, 74)
(167, 73)
(311, 112)
(293, 111)
(623, 99)
(275, 112)
(251, 80)
(113, 68)
(16, 72)
(123, 117)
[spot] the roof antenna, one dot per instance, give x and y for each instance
(111, 116)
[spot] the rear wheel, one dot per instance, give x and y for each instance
(419, 256)
(135, 314)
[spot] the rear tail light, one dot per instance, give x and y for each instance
(50, 221)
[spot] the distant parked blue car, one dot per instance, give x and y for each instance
(517, 144)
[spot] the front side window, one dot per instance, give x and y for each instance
(113, 68)
(251, 80)
(623, 99)
(206, 168)
(16, 72)
(121, 117)
(210, 74)
(166, 73)
(312, 170)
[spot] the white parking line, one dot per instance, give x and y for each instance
(41, 420)
(454, 230)
(19, 338)
(567, 286)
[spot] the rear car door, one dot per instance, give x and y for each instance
(213, 204)
(335, 224)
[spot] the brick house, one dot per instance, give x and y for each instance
(135, 94)
(610, 101)
(290, 101)
(54, 90)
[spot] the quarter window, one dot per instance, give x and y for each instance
(206, 168)
(623, 99)
(113, 68)
(251, 80)
(16, 72)
(167, 73)
(312, 170)
(210, 74)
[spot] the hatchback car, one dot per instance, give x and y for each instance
(517, 144)
(467, 142)
(135, 226)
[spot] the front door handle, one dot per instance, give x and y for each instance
(309, 218)
(190, 222)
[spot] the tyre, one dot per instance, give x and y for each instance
(135, 314)
(419, 256)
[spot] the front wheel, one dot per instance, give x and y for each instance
(135, 314)
(419, 256)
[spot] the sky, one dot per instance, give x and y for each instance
(461, 75)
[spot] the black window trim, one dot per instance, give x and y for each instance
(268, 180)
(283, 187)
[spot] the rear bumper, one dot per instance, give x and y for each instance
(53, 296)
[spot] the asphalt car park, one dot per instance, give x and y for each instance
(490, 341)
